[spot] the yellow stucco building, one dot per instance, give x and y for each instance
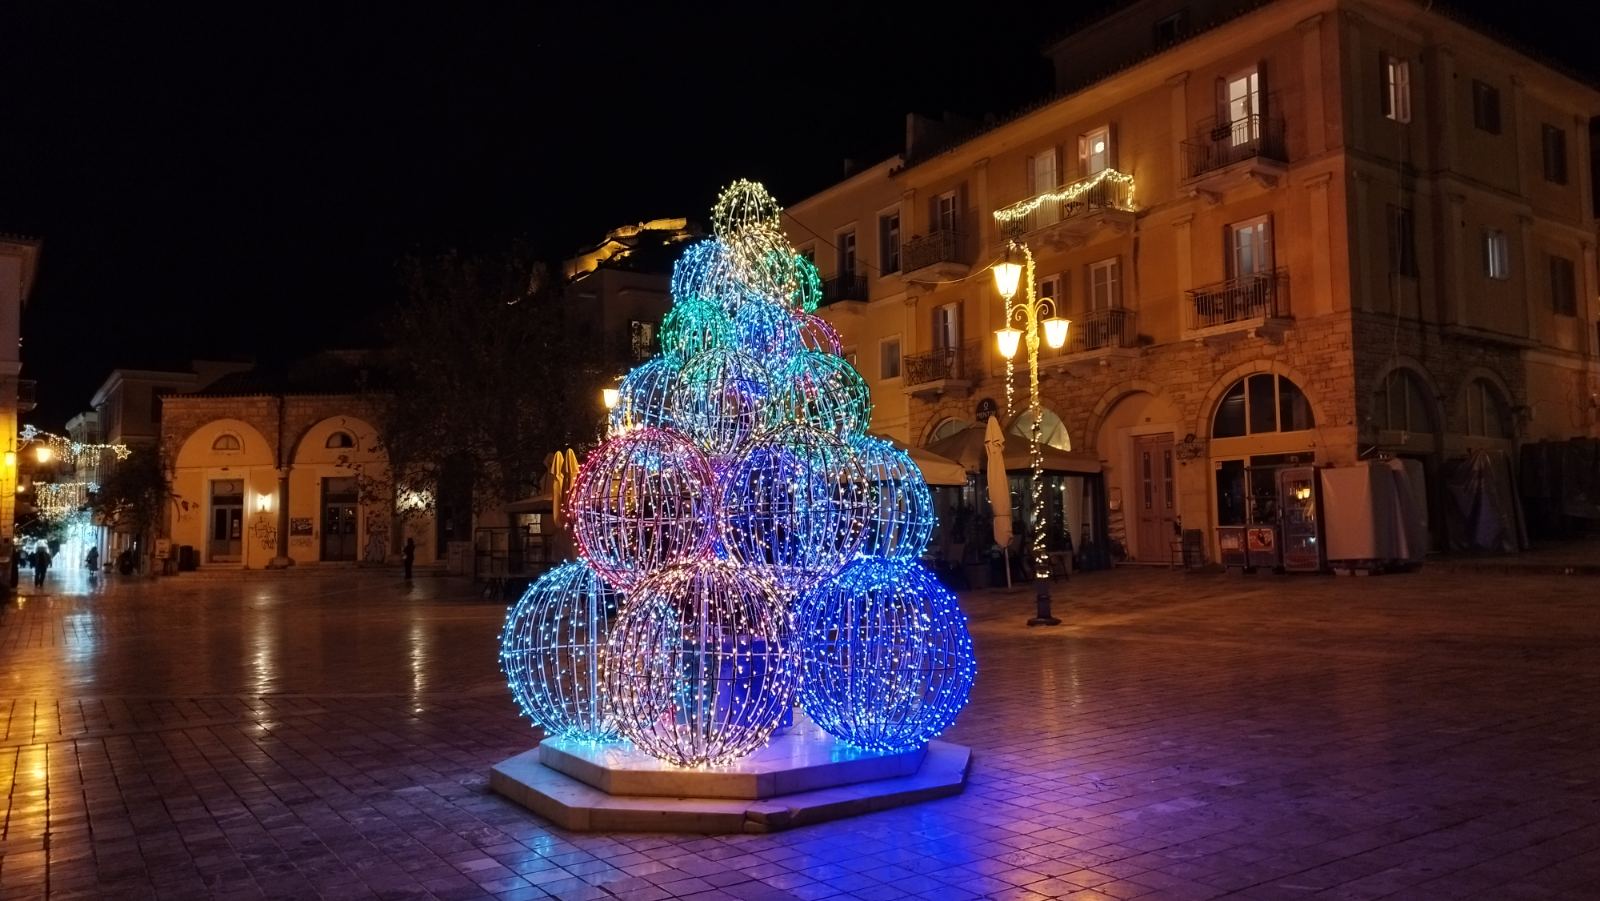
(1307, 231)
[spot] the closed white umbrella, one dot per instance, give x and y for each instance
(994, 442)
(558, 486)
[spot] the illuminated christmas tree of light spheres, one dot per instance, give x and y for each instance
(742, 536)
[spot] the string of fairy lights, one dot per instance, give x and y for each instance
(59, 500)
(743, 541)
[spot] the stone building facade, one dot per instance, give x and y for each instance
(245, 467)
(1303, 231)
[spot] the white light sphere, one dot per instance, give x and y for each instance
(794, 506)
(550, 650)
(701, 665)
(900, 516)
(642, 502)
(721, 400)
(887, 660)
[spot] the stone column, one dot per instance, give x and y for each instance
(1322, 299)
(1457, 250)
(1185, 263)
(1180, 125)
(1531, 259)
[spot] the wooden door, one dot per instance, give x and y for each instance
(1155, 496)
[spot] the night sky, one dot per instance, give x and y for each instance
(227, 181)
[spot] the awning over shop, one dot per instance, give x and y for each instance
(966, 448)
(538, 503)
(936, 470)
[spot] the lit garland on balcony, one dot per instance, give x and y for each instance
(1066, 194)
(737, 475)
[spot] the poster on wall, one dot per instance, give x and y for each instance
(300, 526)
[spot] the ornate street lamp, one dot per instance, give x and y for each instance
(1031, 313)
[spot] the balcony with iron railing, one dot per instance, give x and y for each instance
(939, 370)
(848, 287)
(1071, 211)
(1220, 153)
(937, 256)
(1107, 329)
(1238, 304)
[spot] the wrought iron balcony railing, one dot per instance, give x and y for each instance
(1223, 144)
(1105, 190)
(943, 246)
(844, 287)
(941, 363)
(1100, 329)
(1260, 295)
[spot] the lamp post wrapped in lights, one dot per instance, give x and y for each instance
(1031, 313)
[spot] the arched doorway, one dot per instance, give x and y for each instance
(1263, 423)
(1406, 425)
(226, 483)
(1136, 440)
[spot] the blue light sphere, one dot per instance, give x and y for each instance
(900, 516)
(794, 507)
(644, 394)
(702, 664)
(767, 331)
(721, 400)
(887, 661)
(708, 271)
(550, 651)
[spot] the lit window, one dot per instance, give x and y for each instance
(227, 443)
(1397, 89)
(1094, 151)
(1105, 284)
(1496, 254)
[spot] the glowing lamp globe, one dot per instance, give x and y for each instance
(826, 392)
(794, 507)
(1006, 277)
(550, 651)
(1007, 340)
(1055, 331)
(887, 661)
(900, 516)
(641, 502)
(701, 666)
(643, 396)
(721, 400)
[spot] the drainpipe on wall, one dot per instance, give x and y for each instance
(282, 560)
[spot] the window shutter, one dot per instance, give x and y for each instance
(1385, 86)
(1261, 89)
(1229, 264)
(1083, 156)
(1270, 242)
(1033, 177)
(933, 214)
(1116, 294)
(961, 208)
(1222, 101)
(1111, 151)
(1056, 168)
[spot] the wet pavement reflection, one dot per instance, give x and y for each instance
(328, 735)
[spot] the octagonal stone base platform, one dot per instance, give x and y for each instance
(803, 776)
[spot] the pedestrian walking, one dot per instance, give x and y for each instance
(409, 556)
(91, 562)
(41, 564)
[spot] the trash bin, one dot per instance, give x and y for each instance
(188, 560)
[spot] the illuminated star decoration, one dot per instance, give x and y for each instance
(737, 487)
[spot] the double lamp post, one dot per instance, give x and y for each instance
(1034, 314)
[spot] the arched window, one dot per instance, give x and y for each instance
(947, 428)
(227, 443)
(1487, 413)
(1261, 403)
(1052, 431)
(340, 440)
(1403, 403)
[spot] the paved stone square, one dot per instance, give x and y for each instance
(1434, 735)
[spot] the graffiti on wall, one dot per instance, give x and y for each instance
(377, 549)
(265, 531)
